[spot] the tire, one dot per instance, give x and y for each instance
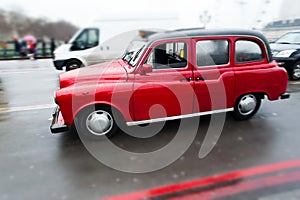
(96, 123)
(73, 64)
(295, 72)
(246, 106)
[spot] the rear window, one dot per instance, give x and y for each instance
(247, 51)
(212, 52)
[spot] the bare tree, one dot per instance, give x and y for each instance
(14, 23)
(5, 29)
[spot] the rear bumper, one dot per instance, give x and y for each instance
(285, 96)
(58, 124)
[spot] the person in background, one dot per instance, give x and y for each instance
(52, 46)
(67, 39)
(43, 47)
(17, 46)
(23, 51)
(4, 48)
(32, 49)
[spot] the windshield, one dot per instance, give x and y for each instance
(133, 52)
(289, 38)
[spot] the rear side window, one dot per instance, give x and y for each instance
(212, 52)
(247, 51)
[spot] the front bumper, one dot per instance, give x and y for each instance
(59, 64)
(287, 63)
(58, 124)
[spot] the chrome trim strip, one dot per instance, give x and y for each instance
(178, 117)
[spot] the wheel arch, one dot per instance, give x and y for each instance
(115, 109)
(83, 62)
(259, 94)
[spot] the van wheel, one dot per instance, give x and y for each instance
(96, 123)
(73, 64)
(296, 71)
(246, 106)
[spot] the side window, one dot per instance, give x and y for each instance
(212, 52)
(87, 39)
(247, 51)
(168, 55)
(93, 37)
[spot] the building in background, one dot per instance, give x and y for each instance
(288, 20)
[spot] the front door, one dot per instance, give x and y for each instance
(168, 90)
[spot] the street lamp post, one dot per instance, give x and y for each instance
(205, 18)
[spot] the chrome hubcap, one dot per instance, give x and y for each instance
(296, 72)
(99, 122)
(247, 104)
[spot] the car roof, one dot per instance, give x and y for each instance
(198, 32)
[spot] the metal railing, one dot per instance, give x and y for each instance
(9, 52)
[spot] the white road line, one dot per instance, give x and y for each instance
(26, 108)
(22, 71)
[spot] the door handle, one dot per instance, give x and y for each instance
(185, 79)
(200, 78)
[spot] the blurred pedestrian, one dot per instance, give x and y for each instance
(23, 45)
(67, 39)
(43, 47)
(4, 48)
(32, 49)
(52, 46)
(17, 46)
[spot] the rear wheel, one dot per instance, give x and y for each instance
(96, 123)
(295, 75)
(246, 106)
(73, 64)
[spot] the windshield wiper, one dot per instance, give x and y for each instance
(137, 54)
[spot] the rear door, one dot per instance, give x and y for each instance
(213, 74)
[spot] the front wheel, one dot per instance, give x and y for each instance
(96, 123)
(246, 106)
(295, 75)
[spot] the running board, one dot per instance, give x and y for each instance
(178, 117)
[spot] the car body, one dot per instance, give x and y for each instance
(172, 75)
(286, 51)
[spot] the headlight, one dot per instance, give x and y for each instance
(285, 54)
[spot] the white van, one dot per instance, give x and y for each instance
(107, 39)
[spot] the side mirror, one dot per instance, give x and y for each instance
(74, 46)
(144, 69)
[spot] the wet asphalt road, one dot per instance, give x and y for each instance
(34, 164)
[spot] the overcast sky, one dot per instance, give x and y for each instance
(223, 13)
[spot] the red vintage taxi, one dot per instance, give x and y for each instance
(171, 75)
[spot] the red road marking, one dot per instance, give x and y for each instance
(249, 185)
(242, 174)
